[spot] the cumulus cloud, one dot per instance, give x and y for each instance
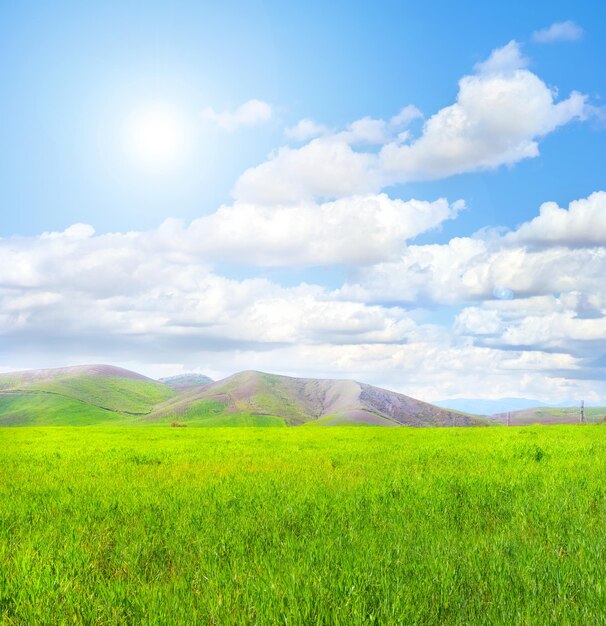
(498, 119)
(358, 230)
(559, 251)
(305, 130)
(503, 60)
(469, 269)
(325, 168)
(559, 31)
(582, 224)
(501, 113)
(161, 282)
(139, 283)
(366, 130)
(552, 267)
(549, 325)
(405, 116)
(251, 113)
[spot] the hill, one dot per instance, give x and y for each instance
(295, 401)
(551, 415)
(88, 394)
(102, 394)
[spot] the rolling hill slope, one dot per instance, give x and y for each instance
(88, 394)
(299, 401)
(551, 415)
(102, 394)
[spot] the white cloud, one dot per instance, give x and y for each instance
(166, 306)
(559, 31)
(503, 60)
(251, 113)
(325, 168)
(500, 115)
(152, 294)
(554, 267)
(498, 119)
(305, 130)
(366, 130)
(559, 251)
(561, 323)
(582, 224)
(75, 231)
(405, 116)
(355, 230)
(467, 269)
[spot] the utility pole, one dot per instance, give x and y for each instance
(508, 418)
(582, 415)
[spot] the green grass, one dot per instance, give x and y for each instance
(116, 393)
(241, 419)
(303, 526)
(78, 400)
(46, 409)
(277, 404)
(269, 397)
(213, 413)
(339, 420)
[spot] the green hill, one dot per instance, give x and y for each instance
(89, 394)
(299, 401)
(101, 394)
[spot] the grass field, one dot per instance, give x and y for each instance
(341, 526)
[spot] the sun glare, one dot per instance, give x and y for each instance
(156, 138)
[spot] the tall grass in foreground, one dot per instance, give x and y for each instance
(303, 526)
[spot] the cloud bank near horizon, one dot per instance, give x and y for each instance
(156, 293)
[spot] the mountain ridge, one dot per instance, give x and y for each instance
(305, 400)
(105, 394)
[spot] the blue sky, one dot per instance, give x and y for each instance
(79, 78)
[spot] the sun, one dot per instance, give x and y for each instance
(157, 137)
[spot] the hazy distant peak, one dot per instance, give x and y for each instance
(186, 380)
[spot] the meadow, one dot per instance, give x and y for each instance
(159, 525)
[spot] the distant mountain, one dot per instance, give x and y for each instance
(295, 401)
(102, 394)
(186, 380)
(488, 407)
